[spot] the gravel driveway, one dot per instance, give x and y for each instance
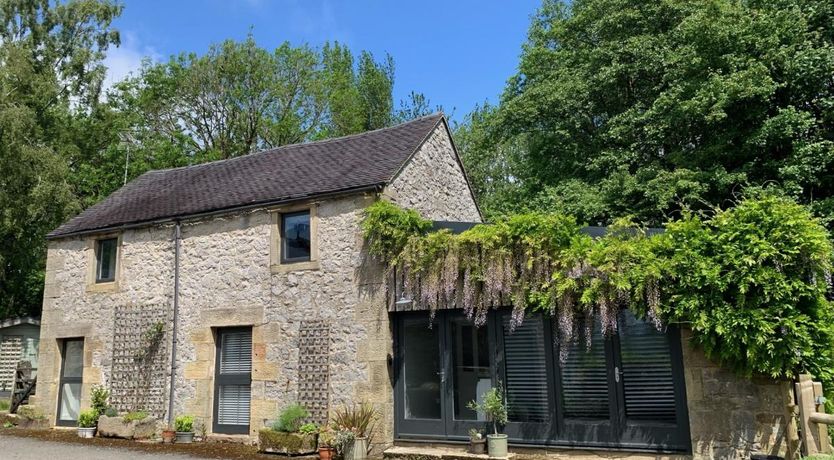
(19, 448)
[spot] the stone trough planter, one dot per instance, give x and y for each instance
(116, 427)
(276, 442)
(40, 423)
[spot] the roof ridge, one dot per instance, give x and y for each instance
(438, 114)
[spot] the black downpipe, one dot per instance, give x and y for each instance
(171, 389)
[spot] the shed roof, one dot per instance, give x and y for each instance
(293, 172)
(19, 320)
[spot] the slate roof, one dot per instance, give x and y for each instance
(288, 173)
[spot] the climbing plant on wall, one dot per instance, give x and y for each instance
(750, 281)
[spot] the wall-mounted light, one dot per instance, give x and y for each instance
(404, 301)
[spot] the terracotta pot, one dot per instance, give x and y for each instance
(168, 436)
(326, 453)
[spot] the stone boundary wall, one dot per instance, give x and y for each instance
(731, 417)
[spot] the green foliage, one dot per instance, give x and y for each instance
(644, 108)
(110, 411)
(750, 281)
(87, 418)
(184, 424)
(358, 419)
(8, 424)
(388, 228)
(30, 412)
(290, 418)
(134, 416)
(341, 440)
(98, 399)
(492, 405)
(308, 428)
(50, 80)
(5, 404)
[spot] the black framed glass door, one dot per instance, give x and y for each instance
(233, 380)
(69, 389)
(443, 365)
(421, 405)
(623, 390)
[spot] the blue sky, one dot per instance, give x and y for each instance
(458, 53)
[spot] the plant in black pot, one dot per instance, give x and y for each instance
(492, 405)
(184, 426)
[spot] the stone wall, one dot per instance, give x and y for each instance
(433, 182)
(226, 281)
(71, 310)
(730, 416)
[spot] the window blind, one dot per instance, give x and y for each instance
(233, 405)
(236, 353)
(526, 371)
(585, 378)
(648, 384)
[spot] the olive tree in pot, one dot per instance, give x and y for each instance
(492, 405)
(184, 425)
(87, 423)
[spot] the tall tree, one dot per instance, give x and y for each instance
(235, 99)
(50, 80)
(634, 107)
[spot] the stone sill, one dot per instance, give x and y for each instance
(112, 286)
(295, 267)
(434, 453)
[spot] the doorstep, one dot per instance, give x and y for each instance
(432, 453)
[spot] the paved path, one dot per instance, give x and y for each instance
(19, 448)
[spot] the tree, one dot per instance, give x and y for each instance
(632, 107)
(50, 81)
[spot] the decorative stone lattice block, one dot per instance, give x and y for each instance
(140, 371)
(314, 368)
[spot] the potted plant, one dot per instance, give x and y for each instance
(492, 405)
(341, 441)
(87, 423)
(326, 449)
(168, 436)
(289, 435)
(184, 426)
(477, 442)
(359, 420)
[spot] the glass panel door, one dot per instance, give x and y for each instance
(233, 380)
(72, 367)
(420, 386)
(470, 366)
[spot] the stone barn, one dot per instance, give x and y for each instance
(231, 289)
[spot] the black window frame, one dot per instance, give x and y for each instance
(283, 247)
(98, 250)
(229, 379)
(613, 433)
(64, 380)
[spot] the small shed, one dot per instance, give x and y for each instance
(19, 338)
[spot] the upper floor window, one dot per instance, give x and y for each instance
(295, 237)
(106, 260)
